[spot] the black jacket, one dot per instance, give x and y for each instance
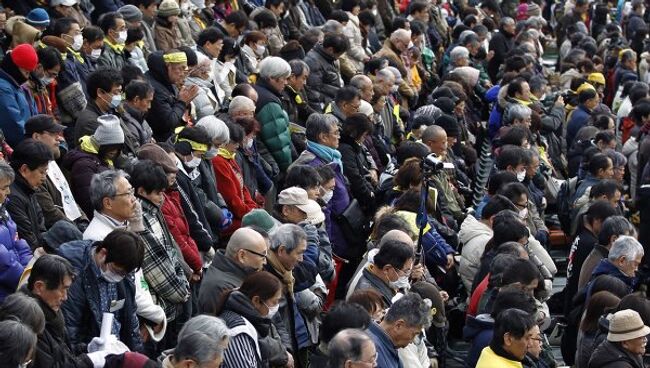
(26, 212)
(501, 43)
(612, 355)
(194, 212)
(357, 169)
(223, 274)
(324, 78)
(167, 110)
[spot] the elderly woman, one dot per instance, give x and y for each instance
(619, 161)
(625, 344)
(273, 75)
(15, 253)
(202, 341)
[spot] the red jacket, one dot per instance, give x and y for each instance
(180, 230)
(230, 183)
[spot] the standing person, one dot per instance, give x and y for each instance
(625, 344)
(16, 106)
(500, 45)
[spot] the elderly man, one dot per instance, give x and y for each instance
(364, 85)
(625, 344)
(500, 45)
(245, 253)
(288, 245)
(513, 331)
(298, 106)
(517, 115)
(346, 104)
(351, 347)
(394, 49)
(403, 322)
(325, 72)
(459, 56)
(274, 121)
(622, 262)
(166, 72)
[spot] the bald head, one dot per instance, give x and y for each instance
(364, 85)
(400, 39)
(245, 238)
(435, 138)
(351, 345)
(396, 235)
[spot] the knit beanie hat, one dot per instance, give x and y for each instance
(445, 104)
(159, 156)
(131, 13)
(449, 124)
(24, 56)
(168, 8)
(109, 131)
(261, 218)
(38, 17)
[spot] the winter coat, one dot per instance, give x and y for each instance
(435, 248)
(582, 245)
(25, 211)
(388, 51)
(205, 103)
(324, 77)
(105, 6)
(176, 224)
(274, 123)
(357, 170)
(489, 359)
(593, 259)
(52, 349)
(606, 267)
(112, 56)
(579, 118)
(223, 274)
(83, 311)
(356, 53)
(84, 165)
(51, 201)
(166, 35)
(86, 122)
(15, 254)
(478, 331)
(251, 164)
(254, 341)
(230, 183)
(473, 235)
(15, 108)
(612, 355)
(369, 281)
(138, 129)
(136, 57)
(166, 112)
(298, 106)
(501, 43)
(387, 355)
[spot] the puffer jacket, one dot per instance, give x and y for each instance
(356, 53)
(84, 165)
(166, 112)
(15, 107)
(205, 103)
(24, 209)
(324, 78)
(167, 36)
(357, 170)
(478, 331)
(179, 228)
(275, 124)
(474, 235)
(138, 128)
(83, 310)
(15, 254)
(612, 355)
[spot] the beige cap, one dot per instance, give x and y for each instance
(626, 325)
(295, 196)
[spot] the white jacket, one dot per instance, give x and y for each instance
(356, 54)
(474, 235)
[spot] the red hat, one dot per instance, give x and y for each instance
(24, 56)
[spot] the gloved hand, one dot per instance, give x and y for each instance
(135, 222)
(227, 219)
(96, 344)
(98, 358)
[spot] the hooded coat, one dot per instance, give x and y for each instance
(274, 123)
(15, 255)
(16, 106)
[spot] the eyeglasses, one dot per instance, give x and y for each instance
(130, 193)
(403, 272)
(263, 255)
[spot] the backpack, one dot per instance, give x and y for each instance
(564, 203)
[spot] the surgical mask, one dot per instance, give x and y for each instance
(95, 54)
(46, 80)
(121, 38)
(410, 44)
(523, 213)
(327, 197)
(116, 100)
(111, 277)
(259, 50)
(193, 163)
(77, 42)
(521, 175)
(374, 12)
(401, 283)
(272, 310)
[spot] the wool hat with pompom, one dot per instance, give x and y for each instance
(24, 56)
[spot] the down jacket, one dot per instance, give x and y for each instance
(612, 355)
(26, 212)
(179, 228)
(275, 124)
(324, 77)
(14, 255)
(357, 169)
(15, 108)
(473, 235)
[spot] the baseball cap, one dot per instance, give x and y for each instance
(42, 123)
(295, 196)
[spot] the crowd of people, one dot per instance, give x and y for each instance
(315, 183)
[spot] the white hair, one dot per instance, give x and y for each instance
(625, 246)
(240, 103)
(216, 128)
(274, 67)
(400, 34)
(457, 53)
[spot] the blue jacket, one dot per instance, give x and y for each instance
(15, 108)
(494, 121)
(82, 310)
(579, 119)
(605, 267)
(478, 331)
(15, 254)
(387, 355)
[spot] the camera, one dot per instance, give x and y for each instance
(432, 165)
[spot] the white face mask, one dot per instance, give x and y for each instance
(259, 50)
(121, 38)
(193, 163)
(521, 175)
(111, 276)
(47, 80)
(401, 283)
(95, 54)
(272, 310)
(77, 42)
(327, 197)
(394, 89)
(523, 213)
(185, 8)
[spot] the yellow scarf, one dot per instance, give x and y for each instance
(117, 48)
(525, 103)
(87, 144)
(76, 55)
(226, 154)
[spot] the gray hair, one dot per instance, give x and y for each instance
(287, 235)
(359, 80)
(384, 74)
(6, 172)
(614, 226)
(347, 345)
(400, 34)
(209, 325)
(318, 124)
(217, 130)
(332, 26)
(25, 309)
(411, 309)
(506, 21)
(240, 103)
(198, 346)
(625, 246)
(457, 53)
(396, 73)
(517, 112)
(102, 185)
(298, 67)
(618, 159)
(274, 67)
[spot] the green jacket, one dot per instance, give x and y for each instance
(274, 123)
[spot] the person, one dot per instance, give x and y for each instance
(500, 45)
(30, 162)
(18, 342)
(599, 304)
(402, 323)
(196, 348)
(114, 27)
(351, 346)
(622, 261)
(346, 103)
(248, 310)
(16, 106)
(360, 171)
(166, 72)
(245, 253)
(95, 154)
(325, 73)
(48, 285)
(15, 253)
(274, 133)
(625, 344)
(103, 284)
(513, 330)
(299, 108)
(55, 195)
(588, 100)
(395, 49)
(138, 97)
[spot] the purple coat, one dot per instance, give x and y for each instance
(339, 202)
(15, 254)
